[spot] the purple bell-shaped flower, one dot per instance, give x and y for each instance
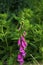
(22, 44)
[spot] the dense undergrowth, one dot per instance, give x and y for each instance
(11, 18)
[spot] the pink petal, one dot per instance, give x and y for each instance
(21, 63)
(21, 49)
(23, 44)
(22, 38)
(24, 54)
(20, 58)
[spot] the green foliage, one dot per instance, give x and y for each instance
(27, 14)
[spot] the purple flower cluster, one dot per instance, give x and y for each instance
(22, 45)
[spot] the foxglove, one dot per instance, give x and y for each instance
(22, 46)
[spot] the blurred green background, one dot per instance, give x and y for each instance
(12, 14)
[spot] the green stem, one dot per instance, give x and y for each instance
(6, 42)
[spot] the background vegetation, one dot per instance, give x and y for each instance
(12, 14)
